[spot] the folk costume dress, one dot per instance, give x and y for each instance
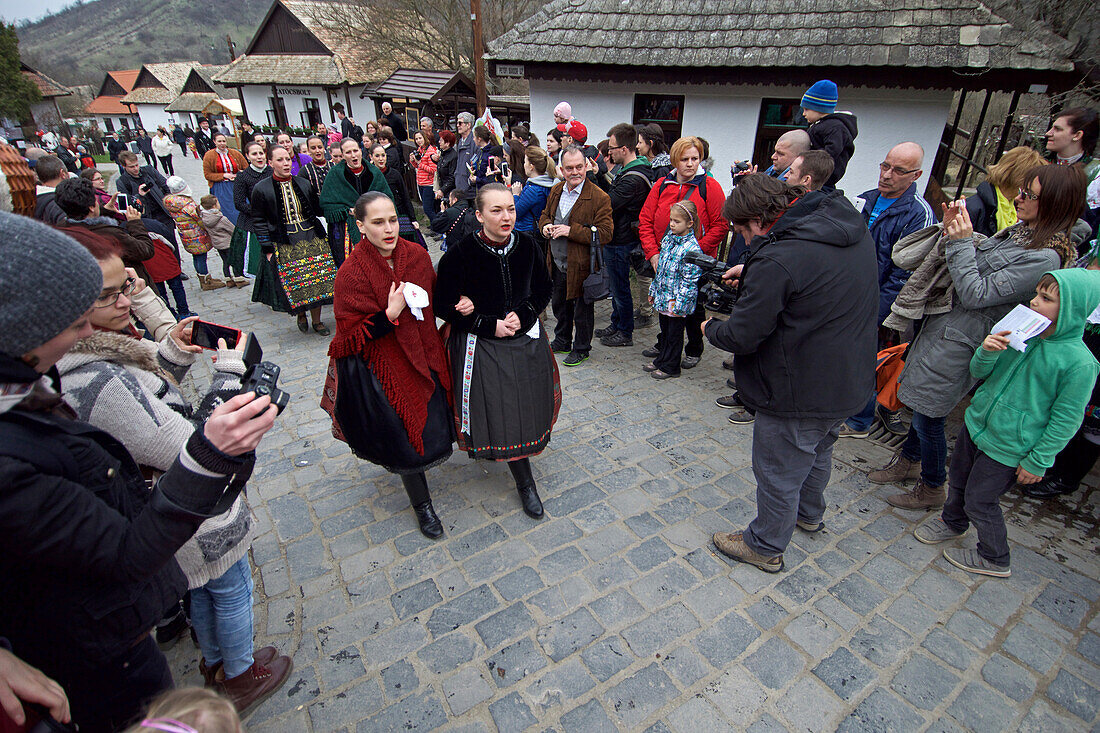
(342, 189)
(301, 273)
(244, 249)
(507, 392)
(215, 164)
(388, 387)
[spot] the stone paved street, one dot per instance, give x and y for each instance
(614, 612)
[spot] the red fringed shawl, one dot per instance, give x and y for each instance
(404, 359)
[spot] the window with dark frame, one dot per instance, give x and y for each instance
(777, 116)
(311, 115)
(666, 110)
(109, 124)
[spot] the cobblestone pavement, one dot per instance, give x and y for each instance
(614, 612)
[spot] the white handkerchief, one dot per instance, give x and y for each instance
(416, 298)
(534, 331)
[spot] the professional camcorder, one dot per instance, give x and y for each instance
(717, 296)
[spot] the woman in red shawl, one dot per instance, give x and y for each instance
(389, 388)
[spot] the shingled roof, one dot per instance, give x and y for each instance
(159, 83)
(46, 86)
(944, 34)
(293, 69)
(199, 90)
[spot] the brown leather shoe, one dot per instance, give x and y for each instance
(732, 544)
(258, 683)
(920, 497)
(897, 470)
(264, 655)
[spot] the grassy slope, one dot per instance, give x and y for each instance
(76, 45)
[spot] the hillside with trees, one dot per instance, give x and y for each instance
(79, 43)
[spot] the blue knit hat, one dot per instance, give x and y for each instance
(821, 97)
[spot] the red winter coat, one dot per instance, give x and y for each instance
(653, 219)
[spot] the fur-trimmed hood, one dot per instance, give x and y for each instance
(116, 348)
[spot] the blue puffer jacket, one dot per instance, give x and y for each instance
(908, 214)
(531, 201)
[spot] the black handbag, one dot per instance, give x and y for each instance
(597, 285)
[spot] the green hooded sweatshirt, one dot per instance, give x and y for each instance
(1032, 403)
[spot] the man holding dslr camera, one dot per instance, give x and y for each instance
(804, 335)
(86, 549)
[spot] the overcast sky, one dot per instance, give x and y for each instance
(15, 10)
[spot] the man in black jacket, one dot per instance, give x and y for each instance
(204, 138)
(395, 122)
(115, 147)
(804, 334)
(50, 171)
(86, 550)
(628, 191)
(145, 185)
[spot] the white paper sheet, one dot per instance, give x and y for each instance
(1023, 324)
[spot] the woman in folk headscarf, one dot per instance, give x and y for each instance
(388, 389)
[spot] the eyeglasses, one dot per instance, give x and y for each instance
(127, 289)
(898, 171)
(1026, 194)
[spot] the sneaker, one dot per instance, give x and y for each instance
(970, 561)
(730, 402)
(934, 530)
(602, 332)
(651, 353)
(921, 497)
(897, 470)
(575, 358)
(891, 420)
(619, 338)
(649, 368)
(658, 374)
(690, 362)
(741, 416)
(810, 527)
(1048, 488)
(559, 348)
(847, 431)
(731, 383)
(732, 544)
(642, 321)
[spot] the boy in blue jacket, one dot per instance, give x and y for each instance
(1025, 412)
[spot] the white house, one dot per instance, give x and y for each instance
(198, 91)
(107, 108)
(157, 86)
(734, 71)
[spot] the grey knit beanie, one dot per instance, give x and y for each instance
(47, 282)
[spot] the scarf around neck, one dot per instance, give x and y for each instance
(403, 360)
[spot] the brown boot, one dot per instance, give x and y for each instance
(230, 282)
(257, 683)
(897, 470)
(263, 655)
(206, 282)
(921, 496)
(732, 544)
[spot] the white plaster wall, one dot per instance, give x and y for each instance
(727, 117)
(153, 116)
(255, 102)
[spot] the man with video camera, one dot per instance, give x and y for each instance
(87, 550)
(803, 332)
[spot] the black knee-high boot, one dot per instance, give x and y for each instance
(416, 486)
(525, 485)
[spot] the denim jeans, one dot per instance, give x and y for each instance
(200, 264)
(866, 418)
(927, 443)
(616, 259)
(178, 293)
(221, 614)
(429, 202)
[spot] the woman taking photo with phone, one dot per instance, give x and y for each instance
(129, 387)
(492, 286)
(388, 388)
(297, 270)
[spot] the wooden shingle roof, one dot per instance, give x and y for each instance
(946, 34)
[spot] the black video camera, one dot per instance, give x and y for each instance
(262, 377)
(717, 296)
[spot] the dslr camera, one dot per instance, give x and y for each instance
(716, 295)
(262, 377)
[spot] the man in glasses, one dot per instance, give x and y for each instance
(892, 211)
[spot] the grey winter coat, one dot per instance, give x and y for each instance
(991, 276)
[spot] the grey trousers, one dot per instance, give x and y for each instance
(792, 459)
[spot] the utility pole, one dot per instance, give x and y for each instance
(479, 62)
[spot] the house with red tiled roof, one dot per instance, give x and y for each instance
(108, 109)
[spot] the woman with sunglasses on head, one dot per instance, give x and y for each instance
(990, 276)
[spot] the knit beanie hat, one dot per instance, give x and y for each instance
(578, 132)
(176, 184)
(47, 282)
(563, 109)
(821, 97)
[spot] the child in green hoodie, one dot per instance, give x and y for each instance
(1025, 412)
